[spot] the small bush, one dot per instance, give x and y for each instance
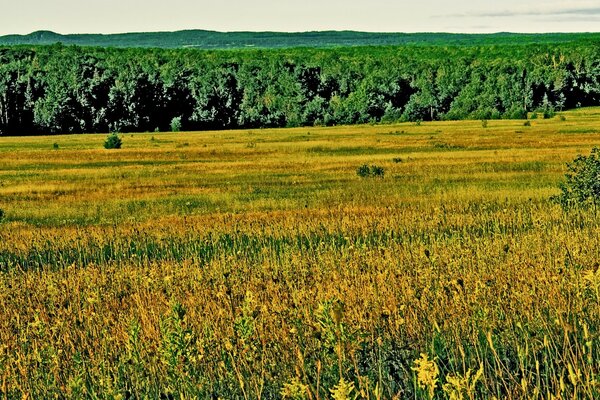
(113, 141)
(517, 113)
(397, 160)
(377, 171)
(527, 123)
(55, 146)
(176, 124)
(484, 123)
(2, 214)
(363, 171)
(549, 113)
(582, 185)
(373, 171)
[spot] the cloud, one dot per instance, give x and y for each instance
(589, 11)
(571, 18)
(581, 12)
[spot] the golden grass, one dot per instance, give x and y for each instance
(257, 264)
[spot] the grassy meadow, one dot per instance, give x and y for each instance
(257, 264)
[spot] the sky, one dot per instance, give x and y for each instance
(473, 16)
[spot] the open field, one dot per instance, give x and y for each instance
(257, 264)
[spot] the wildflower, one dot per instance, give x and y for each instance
(342, 390)
(294, 389)
(457, 386)
(427, 373)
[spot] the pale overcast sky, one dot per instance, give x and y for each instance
(110, 16)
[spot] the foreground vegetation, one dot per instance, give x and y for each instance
(261, 264)
(59, 89)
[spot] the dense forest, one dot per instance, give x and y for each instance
(203, 39)
(70, 89)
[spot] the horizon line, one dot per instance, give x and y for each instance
(301, 32)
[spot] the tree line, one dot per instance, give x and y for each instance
(69, 89)
(202, 39)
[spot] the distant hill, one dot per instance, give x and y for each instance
(203, 39)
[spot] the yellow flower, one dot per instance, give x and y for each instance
(342, 390)
(457, 386)
(294, 390)
(427, 373)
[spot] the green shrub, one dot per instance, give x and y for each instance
(548, 113)
(2, 214)
(484, 123)
(176, 124)
(113, 141)
(363, 171)
(516, 113)
(55, 146)
(582, 185)
(373, 171)
(377, 171)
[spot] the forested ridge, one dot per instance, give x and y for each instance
(70, 89)
(204, 39)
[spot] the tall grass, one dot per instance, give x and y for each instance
(272, 271)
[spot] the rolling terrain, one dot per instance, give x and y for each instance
(203, 39)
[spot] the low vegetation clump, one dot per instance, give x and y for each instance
(582, 185)
(214, 270)
(176, 124)
(113, 141)
(372, 171)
